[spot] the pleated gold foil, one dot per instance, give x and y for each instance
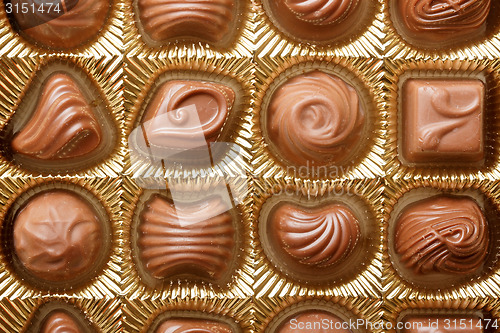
(106, 283)
(16, 315)
(16, 78)
(271, 281)
(140, 314)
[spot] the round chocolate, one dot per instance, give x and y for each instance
(183, 325)
(313, 321)
(315, 119)
(60, 322)
(72, 23)
(442, 235)
(57, 236)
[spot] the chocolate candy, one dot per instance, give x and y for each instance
(209, 20)
(443, 120)
(70, 24)
(443, 324)
(60, 321)
(313, 321)
(315, 118)
(441, 22)
(57, 236)
(194, 239)
(447, 235)
(62, 126)
(181, 325)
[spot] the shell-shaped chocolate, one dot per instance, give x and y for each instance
(315, 118)
(318, 237)
(190, 238)
(189, 325)
(70, 24)
(208, 20)
(57, 235)
(60, 322)
(321, 11)
(62, 126)
(442, 235)
(443, 17)
(185, 111)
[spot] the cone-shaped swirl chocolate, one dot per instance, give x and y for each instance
(183, 325)
(62, 126)
(60, 322)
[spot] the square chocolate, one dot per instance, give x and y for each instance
(443, 120)
(443, 324)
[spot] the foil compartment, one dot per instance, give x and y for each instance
(25, 315)
(101, 282)
(403, 192)
(143, 315)
(363, 197)
(364, 75)
(484, 70)
(100, 78)
(108, 42)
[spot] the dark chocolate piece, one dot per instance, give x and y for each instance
(443, 324)
(313, 321)
(57, 236)
(192, 238)
(184, 325)
(315, 119)
(62, 126)
(60, 322)
(442, 235)
(443, 120)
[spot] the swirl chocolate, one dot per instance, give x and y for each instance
(182, 111)
(442, 21)
(60, 322)
(189, 238)
(442, 235)
(316, 237)
(313, 321)
(321, 11)
(183, 325)
(57, 236)
(315, 118)
(62, 126)
(65, 24)
(208, 20)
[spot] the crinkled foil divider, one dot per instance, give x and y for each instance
(139, 314)
(107, 43)
(393, 308)
(372, 75)
(241, 281)
(394, 168)
(107, 282)
(105, 314)
(141, 75)
(396, 47)
(270, 310)
(241, 46)
(271, 42)
(270, 281)
(16, 76)
(395, 286)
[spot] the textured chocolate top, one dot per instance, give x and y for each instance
(313, 321)
(62, 126)
(442, 235)
(188, 325)
(208, 20)
(196, 239)
(60, 322)
(315, 118)
(57, 236)
(317, 237)
(76, 23)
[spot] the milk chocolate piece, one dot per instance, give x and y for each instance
(208, 20)
(313, 321)
(316, 237)
(442, 324)
(180, 111)
(315, 119)
(317, 20)
(438, 22)
(184, 325)
(443, 120)
(442, 234)
(60, 322)
(57, 236)
(62, 126)
(190, 238)
(66, 24)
